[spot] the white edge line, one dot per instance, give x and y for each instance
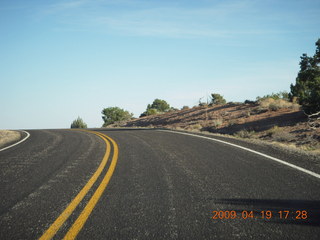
(28, 135)
(253, 151)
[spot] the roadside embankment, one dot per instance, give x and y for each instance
(7, 137)
(282, 124)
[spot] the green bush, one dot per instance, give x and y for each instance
(307, 87)
(78, 123)
(284, 95)
(115, 114)
(217, 99)
(158, 106)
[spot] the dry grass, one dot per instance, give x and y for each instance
(7, 137)
(279, 134)
(244, 134)
(195, 127)
(274, 105)
(217, 122)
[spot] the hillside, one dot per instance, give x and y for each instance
(285, 124)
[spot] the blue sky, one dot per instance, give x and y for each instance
(64, 59)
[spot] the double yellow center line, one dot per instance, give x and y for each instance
(84, 215)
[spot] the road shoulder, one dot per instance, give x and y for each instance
(297, 157)
(8, 137)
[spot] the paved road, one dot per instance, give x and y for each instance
(165, 186)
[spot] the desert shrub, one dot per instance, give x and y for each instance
(244, 134)
(246, 113)
(148, 112)
(217, 99)
(276, 96)
(272, 131)
(151, 111)
(195, 127)
(232, 122)
(78, 123)
(250, 102)
(274, 105)
(158, 106)
(115, 114)
(278, 134)
(282, 136)
(217, 122)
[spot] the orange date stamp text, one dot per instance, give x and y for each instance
(266, 214)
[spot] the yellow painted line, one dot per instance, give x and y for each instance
(81, 220)
(52, 230)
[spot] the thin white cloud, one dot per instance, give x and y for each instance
(220, 20)
(66, 5)
(214, 21)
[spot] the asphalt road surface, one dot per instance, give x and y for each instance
(149, 184)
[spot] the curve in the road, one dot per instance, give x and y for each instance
(253, 151)
(22, 140)
(77, 226)
(81, 220)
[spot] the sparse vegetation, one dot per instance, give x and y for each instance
(217, 99)
(283, 136)
(78, 123)
(217, 122)
(276, 104)
(240, 119)
(115, 114)
(272, 131)
(279, 134)
(195, 127)
(148, 112)
(158, 106)
(244, 134)
(284, 95)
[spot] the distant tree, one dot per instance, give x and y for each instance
(307, 87)
(78, 123)
(185, 108)
(115, 114)
(217, 99)
(158, 106)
